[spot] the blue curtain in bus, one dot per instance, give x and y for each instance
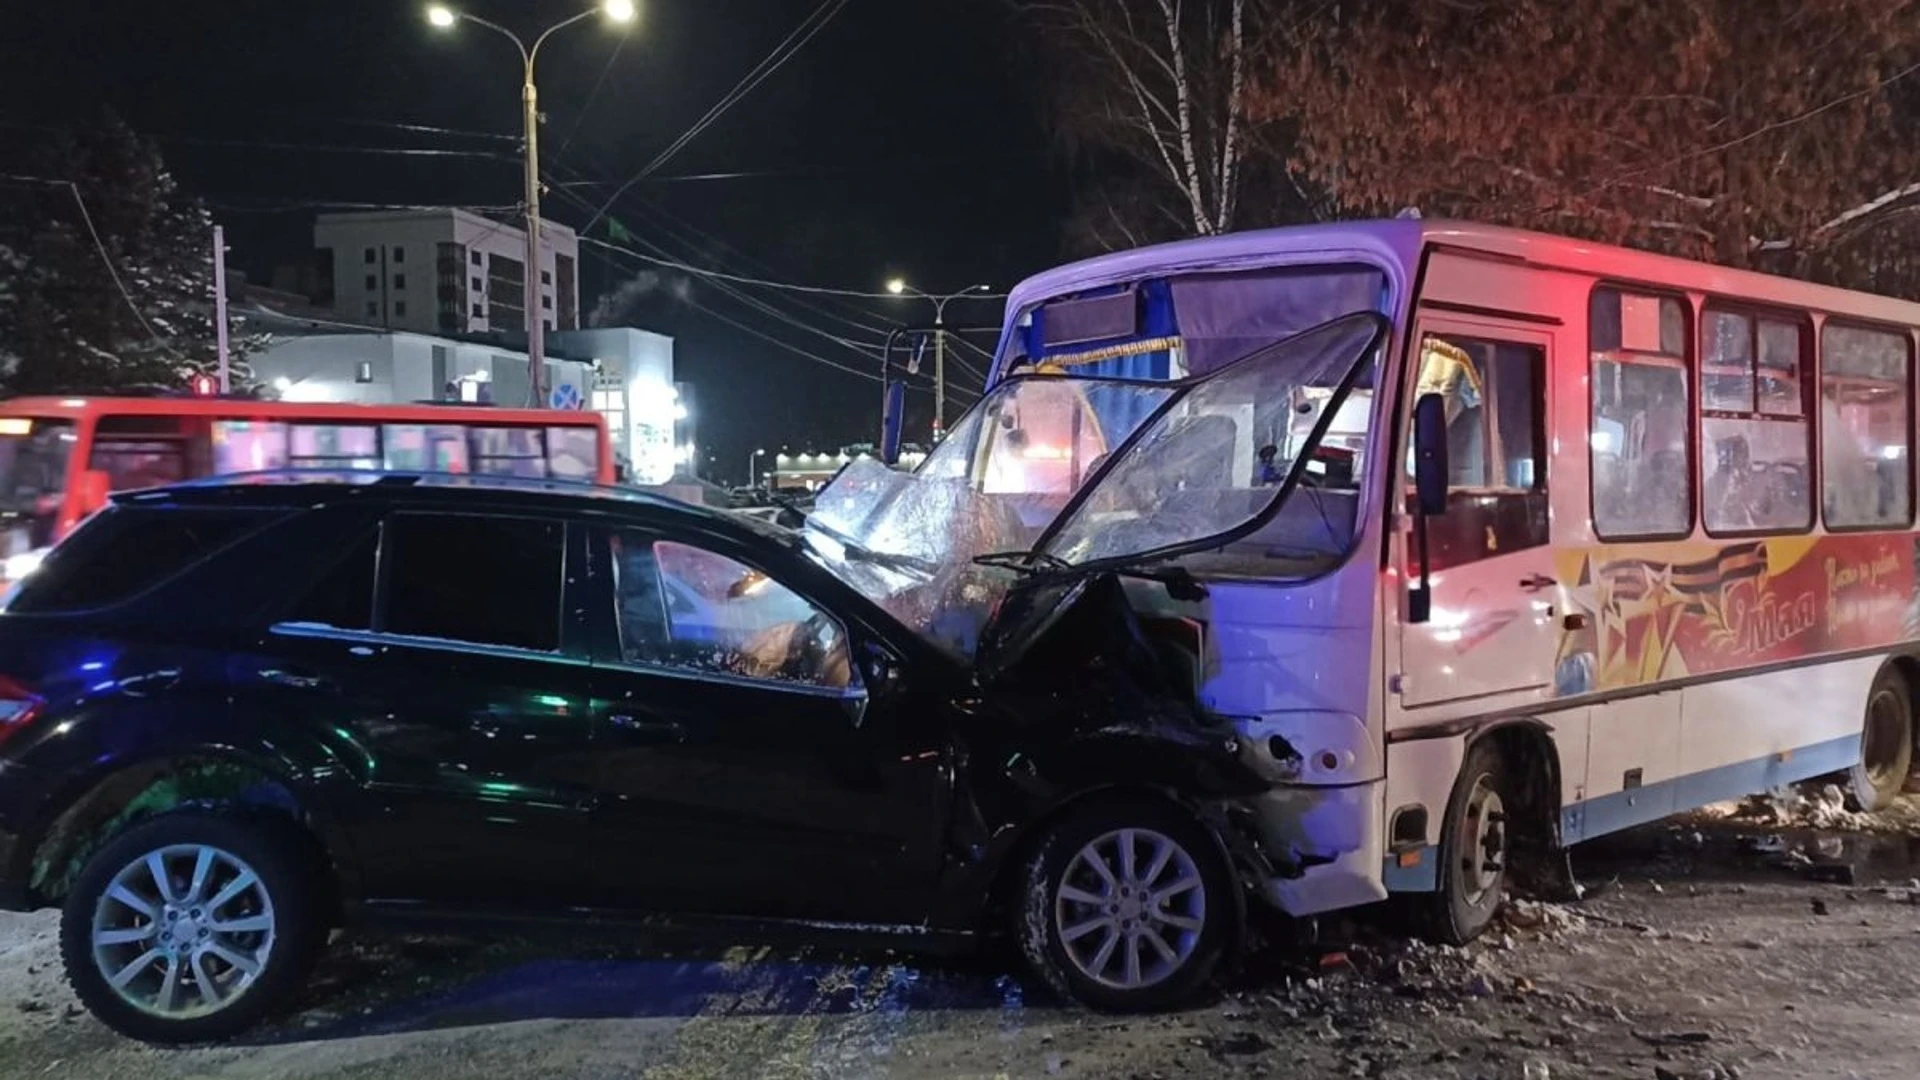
(1119, 413)
(1224, 317)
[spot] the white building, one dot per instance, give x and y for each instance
(444, 271)
(623, 373)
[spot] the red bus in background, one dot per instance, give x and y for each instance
(61, 457)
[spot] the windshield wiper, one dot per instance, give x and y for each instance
(856, 552)
(1023, 562)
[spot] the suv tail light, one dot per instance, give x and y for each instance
(17, 706)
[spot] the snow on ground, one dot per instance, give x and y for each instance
(1719, 945)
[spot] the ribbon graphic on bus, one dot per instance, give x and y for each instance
(1656, 612)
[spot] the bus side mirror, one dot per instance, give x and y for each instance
(1430, 468)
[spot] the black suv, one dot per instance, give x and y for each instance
(234, 716)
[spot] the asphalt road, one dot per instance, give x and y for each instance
(1709, 956)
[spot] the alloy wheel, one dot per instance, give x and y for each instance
(183, 931)
(1130, 908)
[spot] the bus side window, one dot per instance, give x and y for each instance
(139, 451)
(1639, 442)
(1495, 392)
(1866, 430)
(1755, 438)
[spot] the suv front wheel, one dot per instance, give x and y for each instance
(191, 926)
(1128, 907)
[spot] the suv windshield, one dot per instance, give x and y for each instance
(1082, 471)
(33, 473)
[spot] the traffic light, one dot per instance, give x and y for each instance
(203, 385)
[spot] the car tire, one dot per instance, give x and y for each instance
(1121, 928)
(1886, 744)
(1474, 849)
(228, 940)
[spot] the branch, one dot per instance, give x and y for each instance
(1700, 202)
(1871, 206)
(1841, 220)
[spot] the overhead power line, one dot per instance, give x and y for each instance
(105, 256)
(702, 271)
(783, 52)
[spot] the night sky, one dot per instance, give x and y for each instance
(903, 139)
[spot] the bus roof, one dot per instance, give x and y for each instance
(1400, 242)
(76, 407)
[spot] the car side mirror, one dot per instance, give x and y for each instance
(880, 670)
(1430, 466)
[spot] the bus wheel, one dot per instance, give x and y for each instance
(1886, 744)
(1475, 848)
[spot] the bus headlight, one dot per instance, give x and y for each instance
(19, 566)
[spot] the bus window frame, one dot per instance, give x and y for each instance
(1905, 334)
(1688, 364)
(1801, 319)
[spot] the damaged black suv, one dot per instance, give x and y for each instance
(235, 715)
(232, 717)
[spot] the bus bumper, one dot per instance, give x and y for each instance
(1334, 834)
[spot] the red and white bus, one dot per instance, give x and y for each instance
(61, 457)
(1585, 537)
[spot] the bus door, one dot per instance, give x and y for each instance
(1494, 601)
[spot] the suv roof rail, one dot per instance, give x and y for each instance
(421, 478)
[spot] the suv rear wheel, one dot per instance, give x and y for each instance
(191, 926)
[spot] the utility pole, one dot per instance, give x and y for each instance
(220, 305)
(939, 369)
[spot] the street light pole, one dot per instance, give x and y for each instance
(899, 287)
(536, 323)
(753, 468)
(620, 11)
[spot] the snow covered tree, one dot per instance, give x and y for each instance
(106, 271)
(1777, 134)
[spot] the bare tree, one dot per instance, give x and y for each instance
(1766, 133)
(1164, 86)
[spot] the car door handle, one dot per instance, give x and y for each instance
(658, 730)
(1536, 582)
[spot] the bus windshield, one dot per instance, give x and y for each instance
(33, 472)
(1082, 472)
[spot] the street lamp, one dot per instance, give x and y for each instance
(753, 467)
(899, 287)
(618, 11)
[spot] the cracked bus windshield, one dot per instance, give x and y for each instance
(1212, 461)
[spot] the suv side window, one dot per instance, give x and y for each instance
(342, 598)
(126, 550)
(477, 579)
(685, 607)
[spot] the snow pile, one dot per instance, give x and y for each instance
(1813, 808)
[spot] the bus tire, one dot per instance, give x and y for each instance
(1475, 848)
(1886, 744)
